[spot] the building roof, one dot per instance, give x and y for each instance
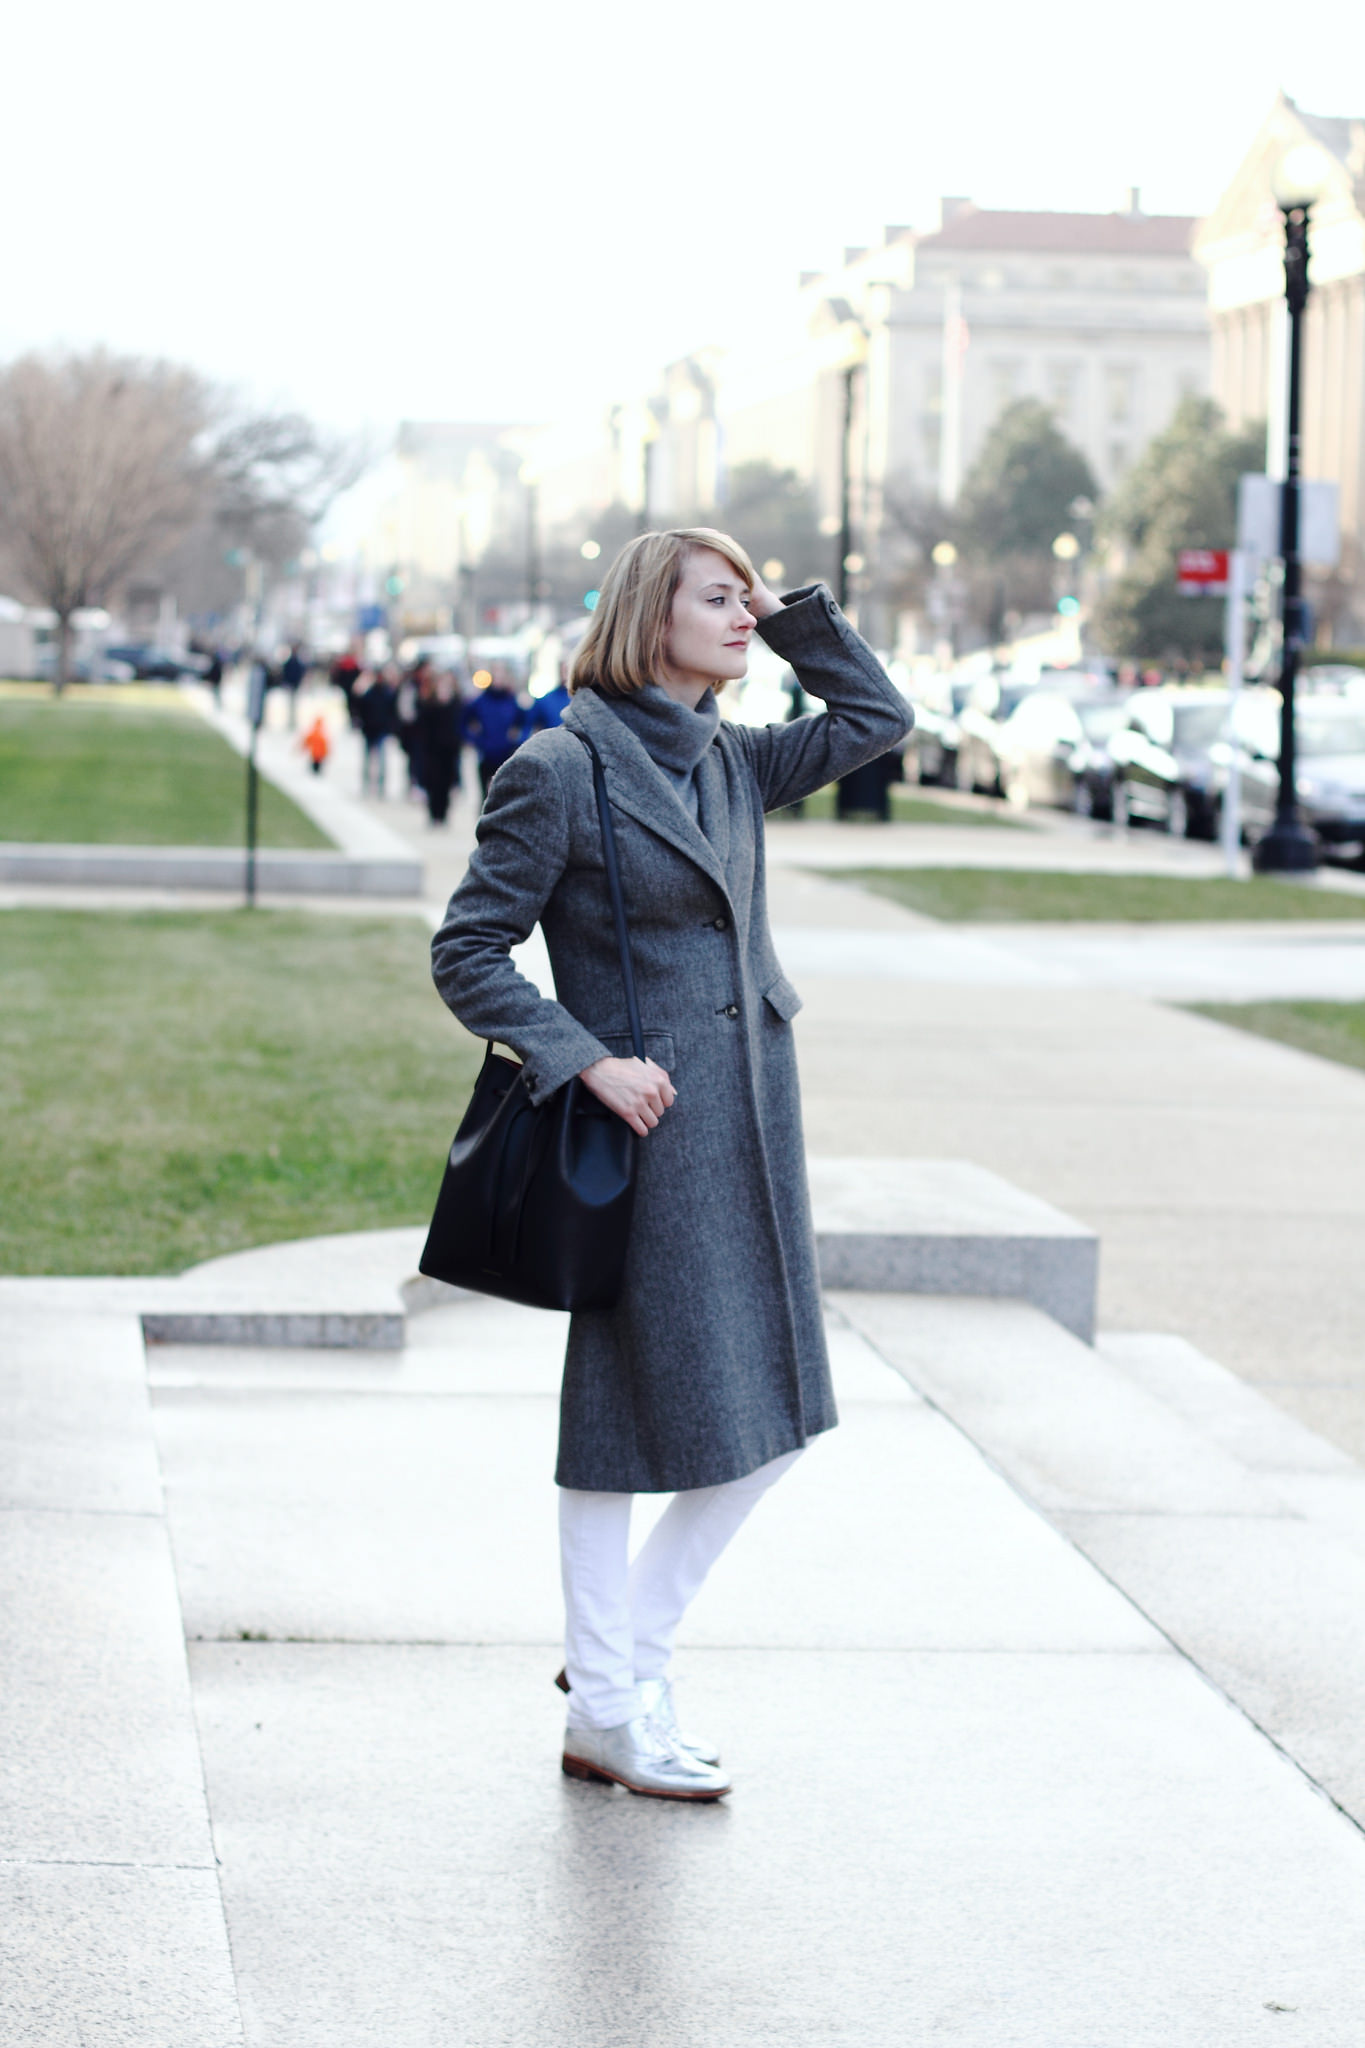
(1070, 234)
(1338, 133)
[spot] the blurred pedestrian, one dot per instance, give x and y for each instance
(405, 721)
(547, 711)
(345, 675)
(437, 741)
(293, 669)
(213, 674)
(375, 697)
(316, 744)
(495, 723)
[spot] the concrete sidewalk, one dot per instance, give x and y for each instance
(981, 1793)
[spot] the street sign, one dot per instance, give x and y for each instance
(1258, 520)
(1202, 572)
(257, 683)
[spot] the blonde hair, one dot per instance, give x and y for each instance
(623, 646)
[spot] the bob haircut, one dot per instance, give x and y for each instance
(623, 646)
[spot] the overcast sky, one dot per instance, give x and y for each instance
(501, 212)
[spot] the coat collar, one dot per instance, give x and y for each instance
(640, 789)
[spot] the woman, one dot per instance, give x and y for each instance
(709, 1376)
(437, 743)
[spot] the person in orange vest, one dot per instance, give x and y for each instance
(316, 744)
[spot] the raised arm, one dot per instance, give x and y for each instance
(865, 714)
(523, 845)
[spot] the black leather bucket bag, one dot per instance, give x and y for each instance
(537, 1198)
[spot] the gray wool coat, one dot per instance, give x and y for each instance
(713, 1362)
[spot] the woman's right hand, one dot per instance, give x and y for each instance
(637, 1090)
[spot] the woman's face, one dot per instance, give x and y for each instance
(709, 626)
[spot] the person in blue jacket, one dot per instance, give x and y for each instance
(547, 711)
(495, 725)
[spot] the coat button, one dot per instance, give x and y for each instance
(732, 1009)
(722, 924)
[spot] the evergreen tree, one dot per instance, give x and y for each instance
(1019, 494)
(1180, 493)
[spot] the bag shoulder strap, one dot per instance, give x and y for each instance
(618, 904)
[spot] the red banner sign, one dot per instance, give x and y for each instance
(1202, 572)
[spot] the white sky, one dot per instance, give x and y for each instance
(498, 211)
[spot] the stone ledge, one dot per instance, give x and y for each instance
(898, 1226)
(279, 871)
(945, 1226)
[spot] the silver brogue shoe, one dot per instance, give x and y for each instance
(656, 1702)
(641, 1757)
(656, 1699)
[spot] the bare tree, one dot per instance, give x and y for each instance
(274, 477)
(271, 478)
(101, 467)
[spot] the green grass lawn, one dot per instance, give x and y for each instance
(175, 1085)
(1009, 895)
(129, 775)
(907, 808)
(1336, 1031)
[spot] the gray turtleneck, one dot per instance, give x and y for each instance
(674, 737)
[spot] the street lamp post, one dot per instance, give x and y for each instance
(1290, 847)
(846, 486)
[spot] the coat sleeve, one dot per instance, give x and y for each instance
(865, 713)
(523, 846)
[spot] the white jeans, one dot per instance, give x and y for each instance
(621, 1618)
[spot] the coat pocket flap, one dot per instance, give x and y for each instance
(783, 998)
(658, 1046)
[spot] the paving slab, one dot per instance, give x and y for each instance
(98, 1757)
(75, 1426)
(1072, 1429)
(1222, 1172)
(1270, 1609)
(1255, 1570)
(303, 1513)
(1040, 1851)
(114, 1957)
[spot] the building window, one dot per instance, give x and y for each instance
(1063, 387)
(1120, 384)
(1004, 384)
(1059, 280)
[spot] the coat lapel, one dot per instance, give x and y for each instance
(640, 789)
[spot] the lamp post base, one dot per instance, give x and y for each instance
(1288, 848)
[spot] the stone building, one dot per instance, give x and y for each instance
(1241, 246)
(900, 361)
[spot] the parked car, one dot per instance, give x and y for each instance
(931, 755)
(1053, 749)
(111, 670)
(1329, 735)
(990, 704)
(1168, 761)
(158, 664)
